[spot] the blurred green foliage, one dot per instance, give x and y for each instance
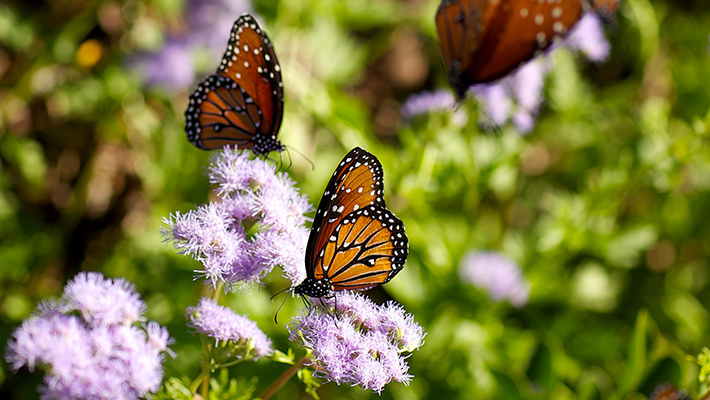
(604, 205)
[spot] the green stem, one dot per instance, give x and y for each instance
(199, 380)
(217, 292)
(204, 377)
(202, 381)
(281, 380)
(229, 364)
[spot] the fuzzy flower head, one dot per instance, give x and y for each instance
(104, 301)
(429, 102)
(235, 336)
(425, 102)
(97, 354)
(360, 343)
(588, 38)
(256, 224)
(496, 275)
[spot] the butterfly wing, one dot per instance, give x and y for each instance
(459, 25)
(355, 184)
(221, 113)
(520, 30)
(494, 38)
(367, 248)
(251, 62)
(243, 104)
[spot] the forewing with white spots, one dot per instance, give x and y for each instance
(242, 104)
(355, 184)
(250, 61)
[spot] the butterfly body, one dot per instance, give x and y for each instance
(483, 40)
(355, 243)
(242, 104)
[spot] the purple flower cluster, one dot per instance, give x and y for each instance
(497, 275)
(518, 97)
(426, 102)
(360, 343)
(243, 336)
(99, 355)
(209, 24)
(588, 38)
(256, 224)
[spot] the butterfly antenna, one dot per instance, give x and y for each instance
(490, 124)
(288, 289)
(306, 303)
(335, 310)
(281, 160)
(313, 166)
(290, 159)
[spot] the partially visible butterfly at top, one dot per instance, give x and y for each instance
(484, 40)
(355, 243)
(242, 104)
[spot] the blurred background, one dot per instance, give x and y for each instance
(603, 204)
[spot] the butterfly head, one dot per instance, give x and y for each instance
(312, 287)
(264, 144)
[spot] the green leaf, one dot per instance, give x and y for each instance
(507, 388)
(283, 358)
(540, 368)
(312, 383)
(637, 355)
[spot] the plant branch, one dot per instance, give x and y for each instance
(280, 381)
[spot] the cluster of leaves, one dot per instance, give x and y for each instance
(603, 204)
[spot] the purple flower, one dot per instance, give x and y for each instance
(240, 335)
(588, 38)
(496, 100)
(171, 66)
(517, 97)
(496, 275)
(95, 356)
(284, 248)
(358, 342)
(426, 102)
(251, 195)
(528, 83)
(209, 24)
(103, 301)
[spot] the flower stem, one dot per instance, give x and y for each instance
(203, 380)
(204, 375)
(280, 381)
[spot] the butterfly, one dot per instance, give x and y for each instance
(355, 243)
(484, 40)
(242, 104)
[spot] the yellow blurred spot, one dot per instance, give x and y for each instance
(89, 53)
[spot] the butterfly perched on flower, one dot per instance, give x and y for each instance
(242, 104)
(484, 40)
(355, 243)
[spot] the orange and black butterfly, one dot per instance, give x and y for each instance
(484, 40)
(356, 243)
(242, 104)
